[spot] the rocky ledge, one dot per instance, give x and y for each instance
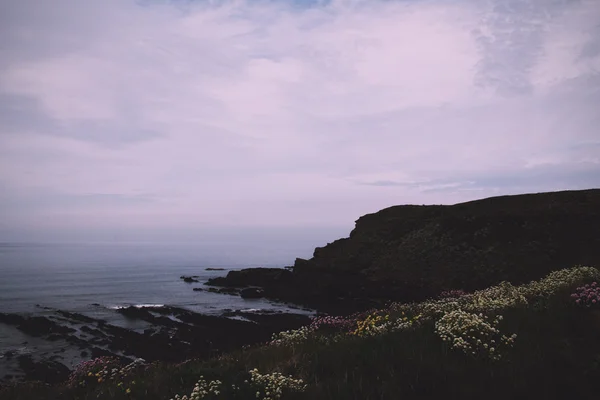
(173, 334)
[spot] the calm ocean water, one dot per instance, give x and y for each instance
(78, 277)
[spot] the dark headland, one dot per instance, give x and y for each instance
(411, 252)
(406, 254)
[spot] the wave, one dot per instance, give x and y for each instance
(136, 306)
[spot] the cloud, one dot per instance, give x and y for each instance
(244, 113)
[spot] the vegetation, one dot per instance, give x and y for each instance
(538, 339)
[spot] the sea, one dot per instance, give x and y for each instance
(95, 279)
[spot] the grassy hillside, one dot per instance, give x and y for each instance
(535, 340)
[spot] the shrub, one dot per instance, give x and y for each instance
(203, 389)
(93, 371)
(474, 334)
(273, 386)
(292, 337)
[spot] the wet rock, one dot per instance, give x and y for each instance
(92, 331)
(34, 326)
(252, 277)
(97, 352)
(225, 290)
(76, 317)
(54, 337)
(252, 293)
(215, 269)
(272, 320)
(136, 312)
(9, 354)
(45, 370)
(190, 279)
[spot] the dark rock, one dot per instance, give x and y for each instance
(189, 279)
(224, 290)
(97, 352)
(54, 337)
(274, 320)
(252, 293)
(76, 316)
(215, 269)
(136, 312)
(46, 370)
(92, 331)
(253, 277)
(34, 326)
(197, 289)
(81, 343)
(9, 354)
(84, 353)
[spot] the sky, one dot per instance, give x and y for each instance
(285, 120)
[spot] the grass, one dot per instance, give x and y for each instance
(556, 355)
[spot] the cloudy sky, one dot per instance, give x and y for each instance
(170, 118)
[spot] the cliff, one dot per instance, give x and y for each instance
(410, 252)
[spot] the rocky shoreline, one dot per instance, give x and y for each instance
(173, 334)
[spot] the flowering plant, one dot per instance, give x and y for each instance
(103, 369)
(291, 337)
(273, 386)
(201, 390)
(266, 386)
(473, 333)
(96, 370)
(333, 324)
(455, 293)
(371, 325)
(587, 295)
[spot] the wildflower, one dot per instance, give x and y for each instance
(484, 338)
(587, 295)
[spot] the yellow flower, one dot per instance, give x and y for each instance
(128, 391)
(99, 380)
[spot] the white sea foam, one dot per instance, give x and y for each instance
(136, 306)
